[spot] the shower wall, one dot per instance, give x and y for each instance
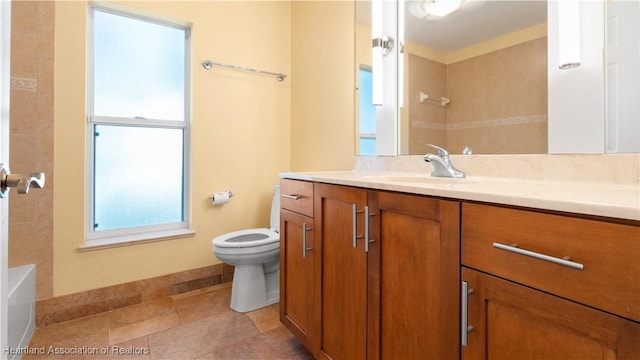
(498, 101)
(427, 119)
(31, 138)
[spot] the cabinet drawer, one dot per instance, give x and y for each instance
(297, 196)
(609, 253)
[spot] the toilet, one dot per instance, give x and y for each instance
(255, 253)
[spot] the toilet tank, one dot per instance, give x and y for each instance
(275, 209)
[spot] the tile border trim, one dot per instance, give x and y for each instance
(480, 123)
(92, 302)
(24, 84)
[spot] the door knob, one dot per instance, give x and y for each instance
(22, 182)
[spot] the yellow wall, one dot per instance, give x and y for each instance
(240, 135)
(322, 85)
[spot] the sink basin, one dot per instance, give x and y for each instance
(417, 179)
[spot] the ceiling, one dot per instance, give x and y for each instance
(475, 21)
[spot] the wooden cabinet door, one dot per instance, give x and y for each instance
(414, 264)
(296, 274)
(341, 273)
(511, 321)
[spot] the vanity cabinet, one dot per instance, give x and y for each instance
(296, 257)
(371, 274)
(383, 277)
(544, 285)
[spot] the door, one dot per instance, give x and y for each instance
(623, 75)
(341, 272)
(5, 47)
(511, 321)
(7, 180)
(296, 276)
(414, 258)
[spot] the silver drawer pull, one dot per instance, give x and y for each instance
(304, 240)
(355, 212)
(366, 228)
(555, 260)
(292, 197)
(464, 303)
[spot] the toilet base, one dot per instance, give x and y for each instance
(252, 288)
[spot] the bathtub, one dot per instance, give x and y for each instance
(22, 307)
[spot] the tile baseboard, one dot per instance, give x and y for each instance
(73, 306)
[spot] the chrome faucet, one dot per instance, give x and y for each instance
(442, 166)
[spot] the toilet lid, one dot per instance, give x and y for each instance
(247, 238)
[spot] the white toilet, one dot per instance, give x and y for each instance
(255, 253)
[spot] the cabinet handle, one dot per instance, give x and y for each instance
(355, 212)
(464, 304)
(515, 249)
(292, 196)
(367, 240)
(355, 227)
(366, 228)
(304, 240)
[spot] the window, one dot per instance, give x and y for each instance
(138, 127)
(367, 114)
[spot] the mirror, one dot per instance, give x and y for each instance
(476, 77)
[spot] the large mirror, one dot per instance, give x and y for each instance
(476, 77)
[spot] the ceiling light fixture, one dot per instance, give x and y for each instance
(438, 8)
(441, 7)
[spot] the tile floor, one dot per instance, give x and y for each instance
(194, 325)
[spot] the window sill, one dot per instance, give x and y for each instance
(126, 240)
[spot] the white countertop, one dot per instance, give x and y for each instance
(609, 200)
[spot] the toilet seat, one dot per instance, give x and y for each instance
(247, 241)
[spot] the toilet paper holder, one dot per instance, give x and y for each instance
(229, 194)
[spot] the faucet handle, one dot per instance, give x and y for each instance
(442, 152)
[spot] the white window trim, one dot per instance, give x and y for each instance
(151, 236)
(142, 234)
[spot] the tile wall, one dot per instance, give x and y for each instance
(31, 137)
(498, 101)
(428, 119)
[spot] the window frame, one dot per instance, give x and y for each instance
(115, 237)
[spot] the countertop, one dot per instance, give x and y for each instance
(609, 200)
